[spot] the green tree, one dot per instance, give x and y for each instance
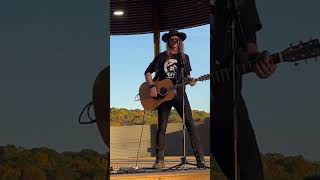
(33, 173)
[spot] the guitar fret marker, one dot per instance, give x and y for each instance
(280, 56)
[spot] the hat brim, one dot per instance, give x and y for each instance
(181, 35)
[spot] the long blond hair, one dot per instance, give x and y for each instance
(180, 49)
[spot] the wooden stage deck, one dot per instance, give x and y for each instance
(145, 172)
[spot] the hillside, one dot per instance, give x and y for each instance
(277, 166)
(125, 117)
(17, 163)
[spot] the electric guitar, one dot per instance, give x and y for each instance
(165, 88)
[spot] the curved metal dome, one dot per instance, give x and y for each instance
(140, 15)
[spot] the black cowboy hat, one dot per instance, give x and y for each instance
(173, 32)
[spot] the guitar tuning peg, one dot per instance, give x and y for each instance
(296, 64)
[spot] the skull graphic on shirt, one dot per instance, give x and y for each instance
(170, 68)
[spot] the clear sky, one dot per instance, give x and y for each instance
(50, 54)
(285, 108)
(130, 55)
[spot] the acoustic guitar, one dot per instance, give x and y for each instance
(165, 90)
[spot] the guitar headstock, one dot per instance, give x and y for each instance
(301, 51)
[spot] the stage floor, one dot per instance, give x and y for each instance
(145, 171)
(147, 162)
(187, 174)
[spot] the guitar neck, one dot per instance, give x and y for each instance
(225, 74)
(201, 78)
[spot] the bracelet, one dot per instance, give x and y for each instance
(151, 86)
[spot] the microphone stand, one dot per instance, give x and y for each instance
(237, 35)
(184, 160)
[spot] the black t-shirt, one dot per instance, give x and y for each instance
(222, 39)
(169, 67)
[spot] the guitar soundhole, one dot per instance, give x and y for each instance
(163, 91)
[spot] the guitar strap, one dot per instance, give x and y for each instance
(156, 77)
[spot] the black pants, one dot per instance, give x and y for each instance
(222, 142)
(163, 114)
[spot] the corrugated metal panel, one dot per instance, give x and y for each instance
(124, 140)
(138, 18)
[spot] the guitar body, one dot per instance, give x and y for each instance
(164, 90)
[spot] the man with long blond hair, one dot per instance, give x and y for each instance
(168, 65)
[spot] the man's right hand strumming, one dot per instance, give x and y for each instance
(153, 90)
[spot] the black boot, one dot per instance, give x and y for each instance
(201, 163)
(159, 164)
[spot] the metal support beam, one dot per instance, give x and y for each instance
(156, 29)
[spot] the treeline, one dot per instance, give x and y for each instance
(280, 167)
(125, 117)
(17, 163)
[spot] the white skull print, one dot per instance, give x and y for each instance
(170, 68)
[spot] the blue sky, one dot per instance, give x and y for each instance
(50, 55)
(131, 54)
